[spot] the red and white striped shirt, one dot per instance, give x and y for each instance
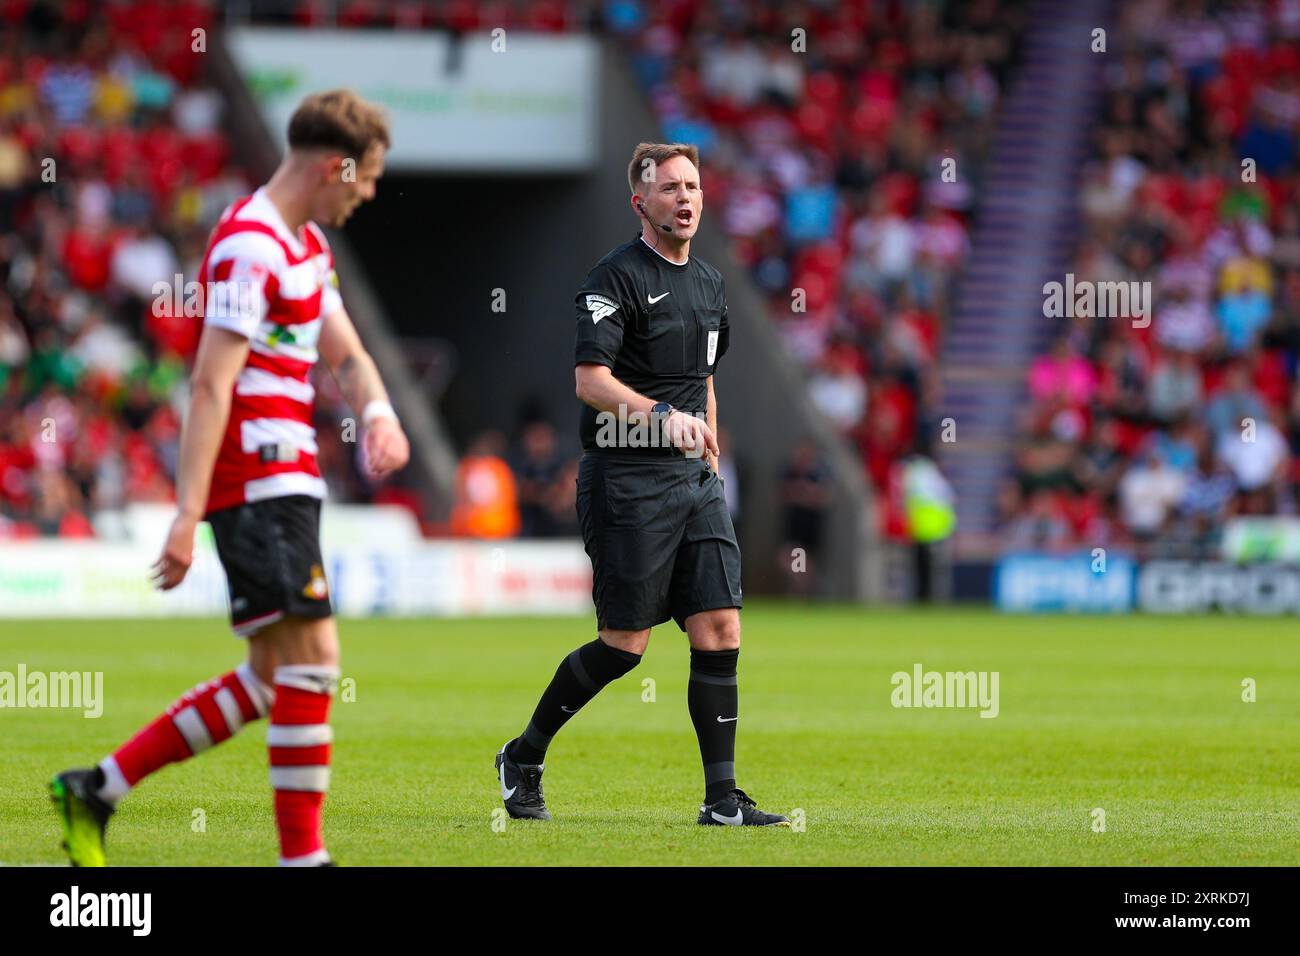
(275, 288)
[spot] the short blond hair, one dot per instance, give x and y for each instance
(650, 155)
(338, 119)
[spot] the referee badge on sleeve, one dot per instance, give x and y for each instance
(713, 347)
(600, 307)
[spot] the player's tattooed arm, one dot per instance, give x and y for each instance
(356, 381)
(387, 448)
(349, 362)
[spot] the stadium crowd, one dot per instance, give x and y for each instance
(824, 169)
(823, 165)
(113, 168)
(1150, 437)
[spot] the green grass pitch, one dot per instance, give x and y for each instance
(1142, 717)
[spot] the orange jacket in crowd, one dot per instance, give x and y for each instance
(486, 505)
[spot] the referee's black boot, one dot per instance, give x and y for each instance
(736, 809)
(521, 787)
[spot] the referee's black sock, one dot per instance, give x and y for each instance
(577, 680)
(713, 700)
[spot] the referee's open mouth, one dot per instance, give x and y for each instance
(684, 217)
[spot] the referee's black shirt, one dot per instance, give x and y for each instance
(661, 327)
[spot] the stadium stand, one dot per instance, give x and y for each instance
(113, 167)
(1151, 435)
(826, 175)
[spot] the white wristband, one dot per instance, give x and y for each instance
(377, 409)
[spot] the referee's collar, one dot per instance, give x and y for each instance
(680, 265)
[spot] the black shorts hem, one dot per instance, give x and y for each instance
(680, 619)
(606, 625)
(250, 626)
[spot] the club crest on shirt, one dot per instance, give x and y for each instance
(281, 333)
(304, 335)
(316, 588)
(600, 307)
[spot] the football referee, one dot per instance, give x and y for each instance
(651, 328)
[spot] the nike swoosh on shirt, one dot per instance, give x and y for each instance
(652, 299)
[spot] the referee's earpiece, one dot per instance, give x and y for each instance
(640, 205)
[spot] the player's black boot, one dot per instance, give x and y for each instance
(521, 787)
(736, 809)
(84, 814)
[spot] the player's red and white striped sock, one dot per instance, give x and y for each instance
(205, 715)
(299, 741)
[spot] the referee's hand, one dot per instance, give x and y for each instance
(690, 434)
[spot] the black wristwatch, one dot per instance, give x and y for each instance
(659, 412)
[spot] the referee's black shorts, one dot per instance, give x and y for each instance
(270, 551)
(659, 537)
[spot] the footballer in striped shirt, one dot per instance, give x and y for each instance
(248, 466)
